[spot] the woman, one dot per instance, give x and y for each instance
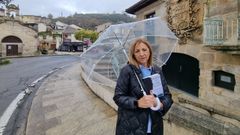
(135, 116)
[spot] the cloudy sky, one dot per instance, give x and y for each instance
(69, 7)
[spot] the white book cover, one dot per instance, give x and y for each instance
(156, 84)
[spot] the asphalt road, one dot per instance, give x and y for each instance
(16, 76)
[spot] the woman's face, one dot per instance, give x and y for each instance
(142, 54)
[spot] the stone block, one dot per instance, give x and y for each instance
(207, 57)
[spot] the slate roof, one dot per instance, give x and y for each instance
(139, 5)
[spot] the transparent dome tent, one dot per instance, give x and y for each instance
(103, 61)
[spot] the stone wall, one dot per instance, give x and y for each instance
(186, 20)
(209, 61)
(218, 103)
(29, 44)
(103, 91)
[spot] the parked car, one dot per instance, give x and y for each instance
(72, 46)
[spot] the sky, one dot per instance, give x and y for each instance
(69, 7)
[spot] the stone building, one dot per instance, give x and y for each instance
(203, 73)
(33, 19)
(17, 39)
(102, 27)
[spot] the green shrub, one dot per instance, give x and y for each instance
(4, 61)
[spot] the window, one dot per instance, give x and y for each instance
(214, 32)
(150, 27)
(151, 15)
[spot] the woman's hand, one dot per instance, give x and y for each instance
(155, 104)
(147, 101)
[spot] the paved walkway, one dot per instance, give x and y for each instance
(64, 105)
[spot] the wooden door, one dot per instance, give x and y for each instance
(182, 72)
(12, 50)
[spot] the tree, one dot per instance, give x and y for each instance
(50, 16)
(5, 2)
(80, 35)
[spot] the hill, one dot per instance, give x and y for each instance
(90, 21)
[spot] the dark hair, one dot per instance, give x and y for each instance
(132, 59)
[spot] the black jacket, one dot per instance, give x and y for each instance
(131, 119)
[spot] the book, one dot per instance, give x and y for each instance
(154, 83)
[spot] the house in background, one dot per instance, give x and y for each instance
(45, 39)
(48, 40)
(60, 25)
(48, 36)
(16, 39)
(29, 19)
(57, 29)
(15, 43)
(75, 27)
(203, 72)
(102, 27)
(69, 33)
(41, 27)
(70, 43)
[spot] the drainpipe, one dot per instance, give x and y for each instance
(206, 9)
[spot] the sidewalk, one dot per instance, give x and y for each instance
(67, 53)
(64, 105)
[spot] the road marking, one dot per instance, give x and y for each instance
(9, 111)
(14, 104)
(36, 81)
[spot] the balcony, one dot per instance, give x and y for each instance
(223, 35)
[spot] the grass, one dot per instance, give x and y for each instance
(4, 61)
